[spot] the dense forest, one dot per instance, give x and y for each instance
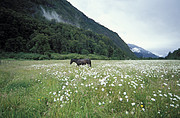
(174, 55)
(22, 33)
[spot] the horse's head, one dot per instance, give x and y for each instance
(72, 60)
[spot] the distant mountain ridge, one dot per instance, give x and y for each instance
(140, 52)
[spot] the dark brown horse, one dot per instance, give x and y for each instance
(81, 61)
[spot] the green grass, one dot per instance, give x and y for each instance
(54, 88)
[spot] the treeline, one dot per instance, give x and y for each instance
(49, 56)
(22, 33)
(174, 55)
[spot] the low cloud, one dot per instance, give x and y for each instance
(51, 15)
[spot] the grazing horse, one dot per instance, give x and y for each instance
(81, 61)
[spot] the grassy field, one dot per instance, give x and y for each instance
(107, 89)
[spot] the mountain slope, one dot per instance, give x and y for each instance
(174, 55)
(63, 11)
(71, 15)
(140, 52)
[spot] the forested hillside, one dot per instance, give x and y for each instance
(174, 55)
(23, 30)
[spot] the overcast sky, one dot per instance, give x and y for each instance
(151, 24)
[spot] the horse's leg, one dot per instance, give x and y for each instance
(89, 63)
(77, 64)
(86, 63)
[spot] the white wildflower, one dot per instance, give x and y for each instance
(153, 99)
(76, 76)
(67, 83)
(84, 78)
(102, 89)
(170, 94)
(120, 84)
(63, 87)
(54, 93)
(177, 97)
(165, 95)
(127, 112)
(132, 112)
(120, 99)
(172, 105)
(160, 95)
(61, 98)
(177, 105)
(54, 99)
(133, 104)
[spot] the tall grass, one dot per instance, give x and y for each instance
(107, 89)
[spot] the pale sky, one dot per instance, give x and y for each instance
(151, 24)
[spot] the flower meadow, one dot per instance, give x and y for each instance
(124, 88)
